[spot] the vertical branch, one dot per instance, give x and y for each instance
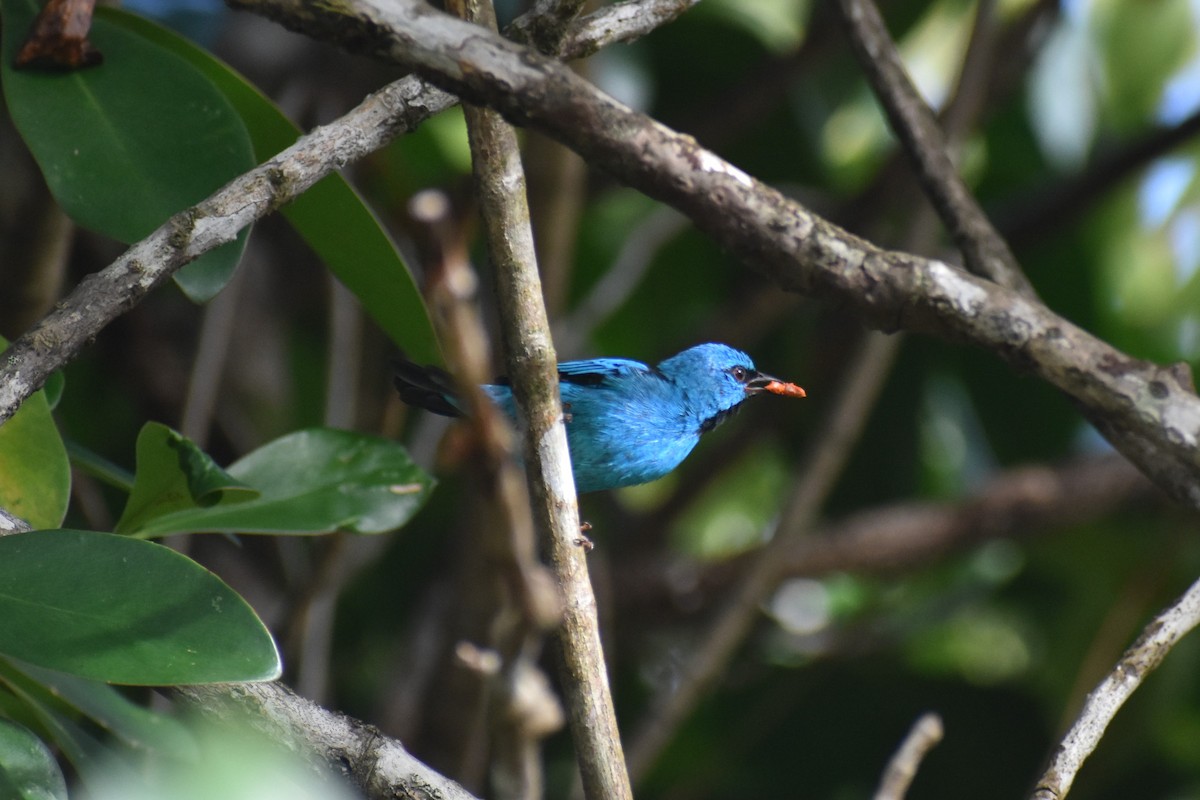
(532, 365)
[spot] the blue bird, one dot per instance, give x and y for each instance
(627, 423)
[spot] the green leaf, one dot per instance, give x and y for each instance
(28, 770)
(35, 476)
(174, 474)
(125, 145)
(313, 481)
(133, 724)
(123, 610)
(331, 216)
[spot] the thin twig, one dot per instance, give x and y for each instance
(850, 410)
(926, 732)
(915, 125)
(1156, 641)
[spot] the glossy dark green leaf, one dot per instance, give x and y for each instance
(122, 610)
(127, 144)
(28, 770)
(35, 476)
(313, 481)
(133, 724)
(331, 216)
(174, 474)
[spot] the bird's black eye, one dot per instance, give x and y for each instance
(740, 374)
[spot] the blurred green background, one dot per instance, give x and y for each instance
(1076, 136)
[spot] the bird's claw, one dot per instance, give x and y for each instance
(583, 541)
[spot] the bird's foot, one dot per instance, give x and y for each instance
(583, 541)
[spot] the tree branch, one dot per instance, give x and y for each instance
(1142, 658)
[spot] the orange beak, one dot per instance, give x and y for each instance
(769, 383)
(785, 389)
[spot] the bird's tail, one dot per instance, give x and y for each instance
(426, 387)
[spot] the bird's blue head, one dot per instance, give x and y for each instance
(715, 379)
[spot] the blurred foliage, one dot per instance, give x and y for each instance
(1003, 638)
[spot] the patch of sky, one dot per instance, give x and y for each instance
(933, 50)
(1187, 336)
(1181, 96)
(1185, 244)
(1062, 96)
(1162, 187)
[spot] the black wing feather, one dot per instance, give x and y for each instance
(427, 387)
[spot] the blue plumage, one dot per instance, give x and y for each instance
(628, 423)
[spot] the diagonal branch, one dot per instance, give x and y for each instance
(847, 416)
